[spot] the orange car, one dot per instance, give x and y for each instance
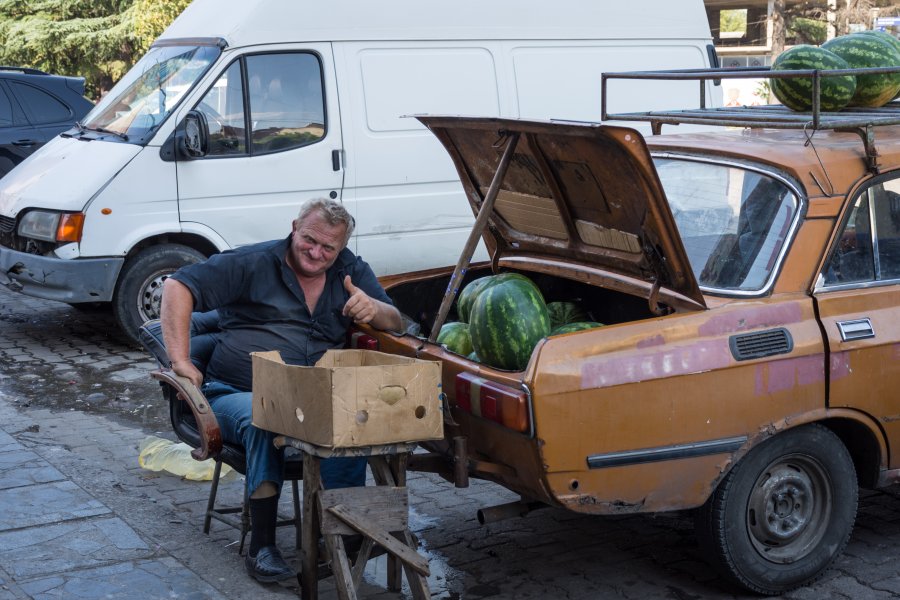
(749, 284)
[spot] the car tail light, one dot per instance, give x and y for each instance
(70, 227)
(362, 341)
(493, 401)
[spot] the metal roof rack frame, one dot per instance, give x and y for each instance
(861, 121)
(25, 70)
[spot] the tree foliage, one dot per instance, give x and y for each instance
(95, 39)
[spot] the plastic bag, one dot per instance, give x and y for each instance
(158, 454)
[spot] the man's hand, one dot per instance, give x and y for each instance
(359, 307)
(186, 368)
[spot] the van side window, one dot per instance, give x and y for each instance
(868, 248)
(287, 108)
(223, 106)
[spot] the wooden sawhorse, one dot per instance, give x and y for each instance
(380, 513)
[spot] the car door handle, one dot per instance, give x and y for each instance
(25, 143)
(857, 329)
(335, 160)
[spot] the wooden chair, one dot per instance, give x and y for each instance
(195, 424)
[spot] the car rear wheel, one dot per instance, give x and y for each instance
(139, 289)
(784, 513)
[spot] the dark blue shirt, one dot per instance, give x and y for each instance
(262, 307)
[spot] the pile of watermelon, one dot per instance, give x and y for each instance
(864, 49)
(502, 318)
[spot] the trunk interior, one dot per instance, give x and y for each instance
(419, 301)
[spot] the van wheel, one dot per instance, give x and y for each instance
(139, 289)
(784, 513)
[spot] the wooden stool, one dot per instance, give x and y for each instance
(379, 513)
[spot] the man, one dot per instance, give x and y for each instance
(299, 296)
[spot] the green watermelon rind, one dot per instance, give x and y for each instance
(862, 51)
(455, 336)
(562, 312)
(508, 319)
(796, 93)
(575, 326)
(469, 293)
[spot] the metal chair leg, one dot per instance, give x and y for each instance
(245, 519)
(213, 490)
(297, 520)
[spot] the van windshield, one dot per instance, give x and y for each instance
(144, 97)
(733, 222)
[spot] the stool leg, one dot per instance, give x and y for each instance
(298, 521)
(245, 519)
(213, 490)
(309, 584)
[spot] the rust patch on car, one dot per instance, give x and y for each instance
(656, 340)
(698, 357)
(606, 506)
(782, 375)
(754, 317)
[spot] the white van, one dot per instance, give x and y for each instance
(243, 109)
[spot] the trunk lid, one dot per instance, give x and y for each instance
(573, 192)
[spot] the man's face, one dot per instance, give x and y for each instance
(315, 245)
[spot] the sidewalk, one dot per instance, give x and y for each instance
(79, 519)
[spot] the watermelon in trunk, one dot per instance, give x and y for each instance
(470, 292)
(509, 317)
(866, 51)
(577, 326)
(565, 312)
(455, 336)
(796, 93)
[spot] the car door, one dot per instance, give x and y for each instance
(858, 296)
(274, 142)
(18, 137)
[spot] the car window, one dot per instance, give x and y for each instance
(6, 116)
(733, 221)
(223, 106)
(287, 107)
(868, 247)
(43, 107)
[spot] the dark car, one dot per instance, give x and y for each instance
(35, 107)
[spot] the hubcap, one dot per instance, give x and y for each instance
(788, 509)
(150, 297)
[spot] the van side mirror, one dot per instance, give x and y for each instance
(190, 139)
(194, 139)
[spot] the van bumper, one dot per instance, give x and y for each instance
(71, 281)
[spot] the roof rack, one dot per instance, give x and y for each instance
(25, 70)
(857, 120)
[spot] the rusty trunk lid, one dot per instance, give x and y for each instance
(573, 192)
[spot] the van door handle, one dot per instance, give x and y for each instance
(857, 329)
(24, 143)
(335, 160)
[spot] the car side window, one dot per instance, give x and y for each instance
(287, 108)
(868, 248)
(6, 115)
(43, 107)
(223, 106)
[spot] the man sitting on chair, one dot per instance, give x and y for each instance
(298, 295)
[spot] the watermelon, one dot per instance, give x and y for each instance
(866, 51)
(565, 312)
(796, 93)
(508, 318)
(576, 326)
(455, 336)
(470, 292)
(887, 37)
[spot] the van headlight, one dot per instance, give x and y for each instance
(51, 226)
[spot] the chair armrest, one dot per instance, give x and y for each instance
(207, 424)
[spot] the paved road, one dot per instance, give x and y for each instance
(76, 401)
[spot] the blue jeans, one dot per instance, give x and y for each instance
(234, 410)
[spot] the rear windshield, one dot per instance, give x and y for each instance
(734, 222)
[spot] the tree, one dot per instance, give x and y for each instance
(95, 39)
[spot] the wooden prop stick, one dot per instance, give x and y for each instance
(480, 223)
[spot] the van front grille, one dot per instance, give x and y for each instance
(7, 224)
(764, 343)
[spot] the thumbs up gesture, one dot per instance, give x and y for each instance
(359, 307)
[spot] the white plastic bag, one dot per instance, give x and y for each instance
(158, 454)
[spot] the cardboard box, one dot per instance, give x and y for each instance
(349, 398)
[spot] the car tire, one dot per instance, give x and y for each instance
(784, 513)
(139, 289)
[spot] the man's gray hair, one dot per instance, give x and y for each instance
(333, 212)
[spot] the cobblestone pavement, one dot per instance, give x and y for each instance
(79, 518)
